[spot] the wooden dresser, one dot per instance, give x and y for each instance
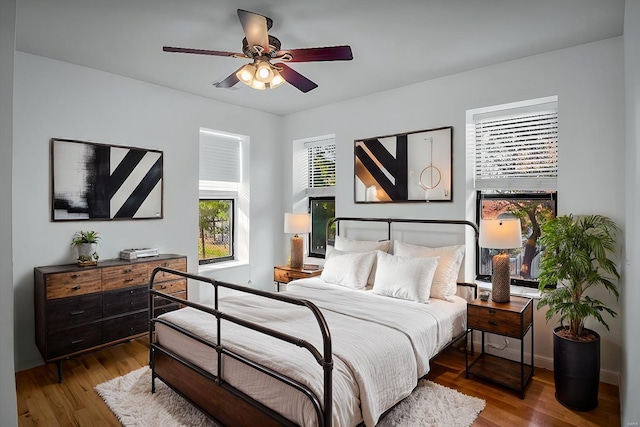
(80, 309)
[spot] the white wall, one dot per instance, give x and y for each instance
(57, 99)
(588, 81)
(8, 413)
(630, 371)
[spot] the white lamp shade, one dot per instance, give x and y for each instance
(500, 233)
(297, 223)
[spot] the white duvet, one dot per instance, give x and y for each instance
(381, 346)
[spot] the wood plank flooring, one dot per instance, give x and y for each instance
(44, 402)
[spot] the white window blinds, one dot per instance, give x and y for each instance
(321, 163)
(219, 159)
(517, 150)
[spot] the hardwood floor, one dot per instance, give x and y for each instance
(44, 402)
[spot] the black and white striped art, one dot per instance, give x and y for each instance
(407, 167)
(92, 181)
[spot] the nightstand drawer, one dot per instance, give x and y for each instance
(282, 276)
(496, 321)
(285, 274)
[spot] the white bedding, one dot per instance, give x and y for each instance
(381, 346)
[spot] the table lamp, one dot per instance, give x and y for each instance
(500, 234)
(297, 223)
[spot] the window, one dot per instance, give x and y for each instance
(314, 180)
(322, 210)
(533, 209)
(515, 174)
(216, 230)
(220, 181)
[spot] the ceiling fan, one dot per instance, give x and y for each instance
(264, 48)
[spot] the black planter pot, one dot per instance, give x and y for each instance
(576, 371)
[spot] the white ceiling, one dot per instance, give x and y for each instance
(395, 42)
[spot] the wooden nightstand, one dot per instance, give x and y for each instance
(511, 319)
(285, 274)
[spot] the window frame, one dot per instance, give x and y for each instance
(311, 252)
(526, 195)
(232, 231)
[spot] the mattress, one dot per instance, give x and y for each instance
(381, 347)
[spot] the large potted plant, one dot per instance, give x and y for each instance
(86, 243)
(577, 258)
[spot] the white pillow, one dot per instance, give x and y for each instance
(403, 277)
(446, 277)
(349, 245)
(348, 269)
(332, 251)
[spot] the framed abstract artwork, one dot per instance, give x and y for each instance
(407, 167)
(92, 181)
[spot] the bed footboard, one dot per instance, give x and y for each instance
(211, 393)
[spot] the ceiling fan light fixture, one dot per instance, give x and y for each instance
(257, 84)
(264, 72)
(246, 74)
(277, 80)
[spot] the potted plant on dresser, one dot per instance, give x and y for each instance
(577, 258)
(86, 243)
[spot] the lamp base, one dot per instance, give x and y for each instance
(297, 252)
(501, 278)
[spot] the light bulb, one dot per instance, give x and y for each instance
(264, 73)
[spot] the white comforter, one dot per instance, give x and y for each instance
(381, 346)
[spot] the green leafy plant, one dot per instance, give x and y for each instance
(578, 256)
(85, 237)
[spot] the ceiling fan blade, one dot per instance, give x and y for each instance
(329, 53)
(229, 81)
(295, 78)
(203, 52)
(255, 28)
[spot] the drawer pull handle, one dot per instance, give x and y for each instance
(128, 280)
(165, 264)
(76, 288)
(491, 322)
(77, 341)
(75, 276)
(163, 287)
(128, 270)
(492, 312)
(75, 313)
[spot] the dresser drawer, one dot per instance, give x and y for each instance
(65, 313)
(62, 285)
(71, 340)
(179, 264)
(125, 300)
(494, 320)
(160, 302)
(171, 287)
(125, 326)
(124, 276)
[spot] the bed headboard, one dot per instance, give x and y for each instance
(467, 291)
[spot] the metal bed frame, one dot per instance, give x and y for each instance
(211, 393)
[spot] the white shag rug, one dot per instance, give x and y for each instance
(129, 398)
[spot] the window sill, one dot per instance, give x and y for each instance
(521, 291)
(224, 265)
